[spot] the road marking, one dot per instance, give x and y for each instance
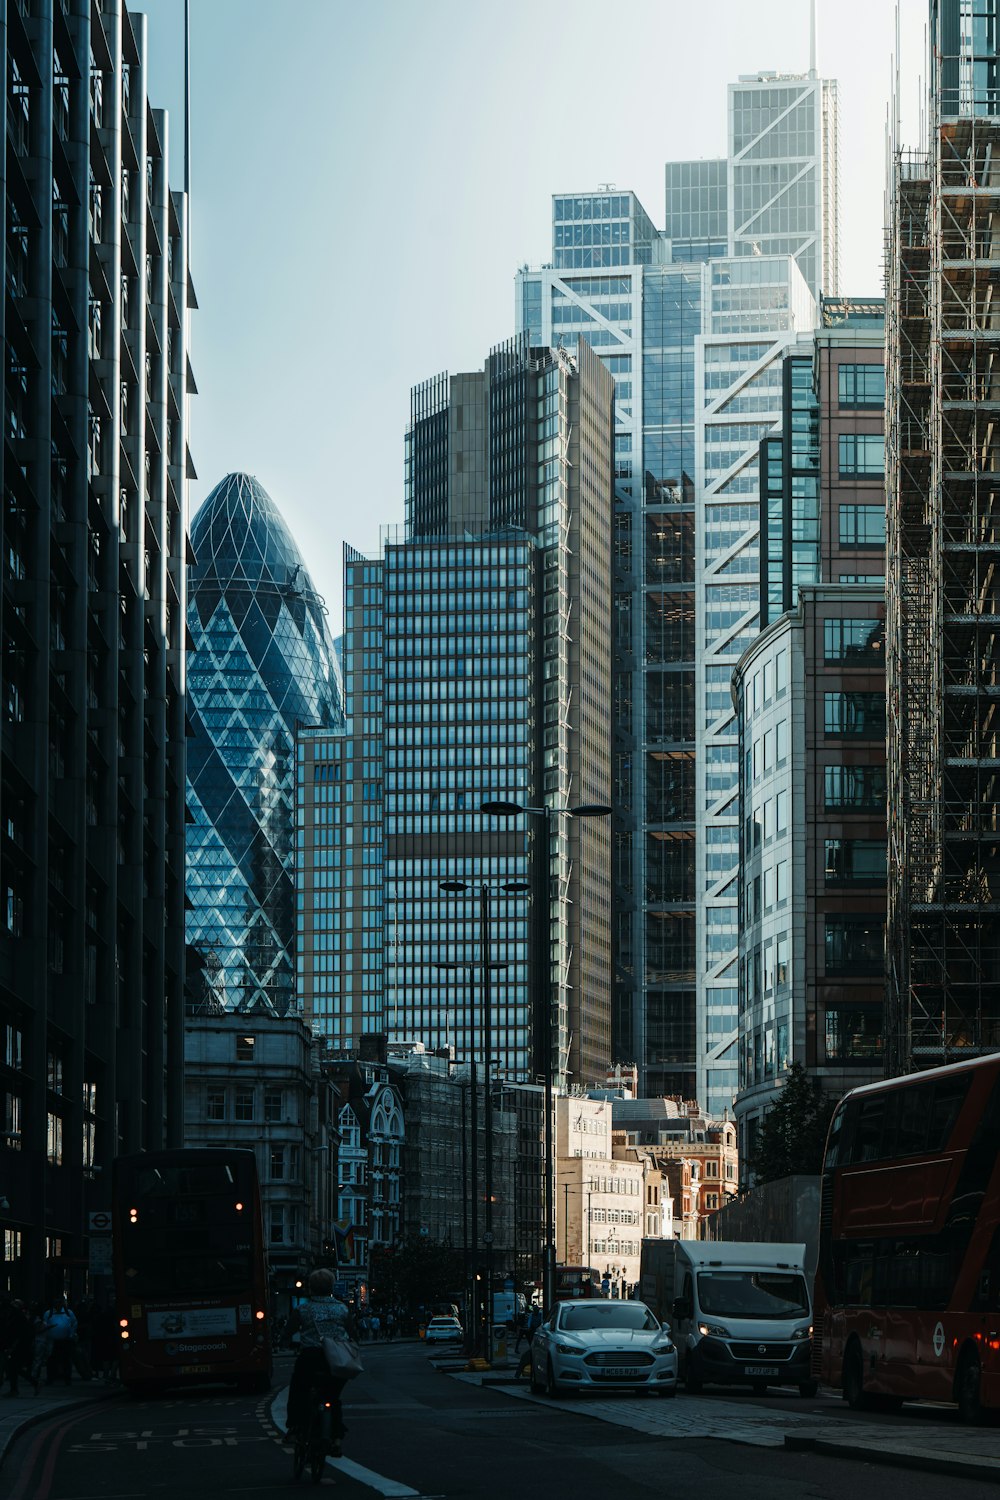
(377, 1482)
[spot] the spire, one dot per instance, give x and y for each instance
(812, 39)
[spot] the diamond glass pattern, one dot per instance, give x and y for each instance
(261, 663)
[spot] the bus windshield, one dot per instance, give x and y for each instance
(753, 1294)
(151, 1273)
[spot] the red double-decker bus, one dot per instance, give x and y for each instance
(907, 1300)
(577, 1281)
(190, 1270)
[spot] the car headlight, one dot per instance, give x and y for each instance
(715, 1329)
(802, 1333)
(569, 1349)
(663, 1346)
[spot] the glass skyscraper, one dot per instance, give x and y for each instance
(261, 665)
(693, 327)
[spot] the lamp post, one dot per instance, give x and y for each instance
(457, 888)
(543, 1001)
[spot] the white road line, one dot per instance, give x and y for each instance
(378, 1482)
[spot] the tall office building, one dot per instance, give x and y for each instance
(943, 453)
(478, 668)
(261, 665)
(693, 324)
(92, 746)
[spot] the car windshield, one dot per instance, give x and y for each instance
(753, 1294)
(583, 1316)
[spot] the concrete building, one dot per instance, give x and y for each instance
(676, 1130)
(943, 938)
(600, 1199)
(693, 325)
(261, 1082)
(370, 1182)
(92, 736)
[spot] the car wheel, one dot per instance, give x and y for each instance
(552, 1388)
(808, 1388)
(537, 1388)
(968, 1389)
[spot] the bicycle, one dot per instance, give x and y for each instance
(317, 1439)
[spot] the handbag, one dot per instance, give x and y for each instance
(342, 1358)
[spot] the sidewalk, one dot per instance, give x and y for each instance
(922, 1440)
(19, 1412)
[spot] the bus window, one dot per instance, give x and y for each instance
(949, 1094)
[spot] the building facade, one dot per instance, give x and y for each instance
(261, 664)
(693, 327)
(600, 1199)
(260, 1081)
(92, 739)
(944, 880)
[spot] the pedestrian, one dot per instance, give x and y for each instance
(41, 1348)
(17, 1343)
(376, 1326)
(390, 1324)
(60, 1320)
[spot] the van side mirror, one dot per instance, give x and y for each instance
(682, 1308)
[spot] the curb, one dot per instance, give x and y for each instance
(987, 1469)
(35, 1418)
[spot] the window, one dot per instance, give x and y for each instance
(54, 1141)
(853, 1033)
(854, 945)
(277, 1164)
(854, 640)
(245, 1048)
(10, 1136)
(272, 1105)
(855, 862)
(861, 385)
(216, 1104)
(276, 1224)
(859, 787)
(862, 455)
(862, 525)
(860, 715)
(244, 1105)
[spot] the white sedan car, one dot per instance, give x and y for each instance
(602, 1345)
(443, 1331)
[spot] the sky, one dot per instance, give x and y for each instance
(367, 177)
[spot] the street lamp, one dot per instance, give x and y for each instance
(501, 808)
(458, 888)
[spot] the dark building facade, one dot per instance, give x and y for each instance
(943, 444)
(92, 745)
(261, 665)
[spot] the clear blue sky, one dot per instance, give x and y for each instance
(367, 178)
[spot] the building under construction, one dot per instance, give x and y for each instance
(943, 606)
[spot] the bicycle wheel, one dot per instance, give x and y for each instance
(317, 1462)
(299, 1451)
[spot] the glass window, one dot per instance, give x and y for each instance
(272, 1105)
(861, 385)
(853, 1033)
(854, 640)
(862, 455)
(244, 1105)
(860, 715)
(216, 1104)
(854, 945)
(861, 787)
(245, 1048)
(854, 862)
(862, 525)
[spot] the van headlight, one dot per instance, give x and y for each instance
(802, 1333)
(714, 1330)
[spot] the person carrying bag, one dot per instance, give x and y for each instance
(328, 1354)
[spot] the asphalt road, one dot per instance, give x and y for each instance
(414, 1431)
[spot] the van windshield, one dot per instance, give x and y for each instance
(753, 1294)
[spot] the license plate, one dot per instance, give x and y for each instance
(195, 1370)
(616, 1373)
(759, 1370)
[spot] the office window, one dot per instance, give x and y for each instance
(216, 1104)
(854, 862)
(859, 787)
(854, 945)
(854, 640)
(862, 525)
(862, 455)
(853, 1033)
(858, 715)
(245, 1048)
(244, 1105)
(54, 1141)
(272, 1105)
(861, 385)
(277, 1164)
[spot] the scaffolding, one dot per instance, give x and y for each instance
(943, 606)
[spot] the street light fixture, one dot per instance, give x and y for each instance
(504, 808)
(458, 888)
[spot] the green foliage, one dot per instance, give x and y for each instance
(792, 1134)
(415, 1273)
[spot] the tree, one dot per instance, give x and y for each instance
(792, 1133)
(415, 1273)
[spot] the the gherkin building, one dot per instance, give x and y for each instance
(261, 663)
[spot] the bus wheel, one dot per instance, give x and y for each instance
(853, 1379)
(968, 1388)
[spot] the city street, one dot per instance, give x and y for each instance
(414, 1431)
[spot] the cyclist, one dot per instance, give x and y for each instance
(323, 1316)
